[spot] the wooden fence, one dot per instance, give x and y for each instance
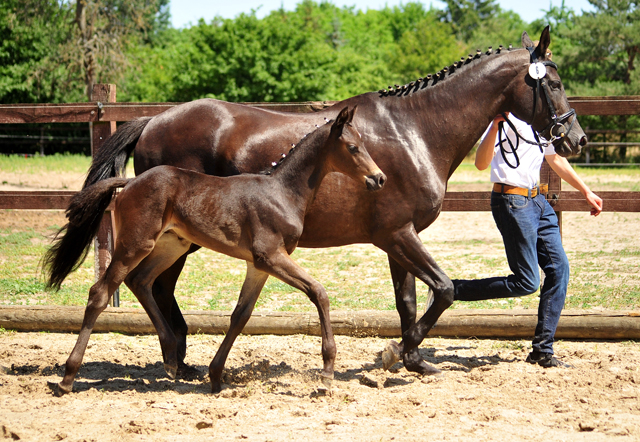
(103, 112)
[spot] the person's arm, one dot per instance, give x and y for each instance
(485, 151)
(562, 167)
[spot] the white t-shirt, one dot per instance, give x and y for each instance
(527, 174)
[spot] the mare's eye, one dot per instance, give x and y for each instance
(352, 148)
(555, 85)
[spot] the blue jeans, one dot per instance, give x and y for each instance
(531, 237)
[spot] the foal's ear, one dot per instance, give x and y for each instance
(526, 40)
(545, 41)
(343, 118)
(351, 114)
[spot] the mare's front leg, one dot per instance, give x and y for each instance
(280, 265)
(406, 248)
(404, 286)
(251, 288)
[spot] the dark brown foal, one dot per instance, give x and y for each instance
(256, 218)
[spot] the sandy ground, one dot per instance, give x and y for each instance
(272, 392)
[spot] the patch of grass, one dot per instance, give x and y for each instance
(356, 277)
(5, 332)
(36, 165)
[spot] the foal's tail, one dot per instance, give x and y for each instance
(111, 159)
(72, 242)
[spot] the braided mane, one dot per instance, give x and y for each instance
(432, 80)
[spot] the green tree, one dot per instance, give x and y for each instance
(425, 48)
(30, 32)
(466, 16)
(103, 30)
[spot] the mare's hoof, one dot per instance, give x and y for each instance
(426, 369)
(171, 371)
(216, 387)
(57, 389)
(188, 372)
(390, 355)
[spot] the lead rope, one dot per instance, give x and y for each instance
(518, 136)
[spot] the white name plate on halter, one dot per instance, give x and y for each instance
(537, 71)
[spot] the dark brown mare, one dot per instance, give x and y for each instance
(256, 218)
(418, 134)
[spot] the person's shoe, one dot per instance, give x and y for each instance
(546, 360)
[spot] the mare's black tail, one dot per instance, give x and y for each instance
(111, 159)
(72, 243)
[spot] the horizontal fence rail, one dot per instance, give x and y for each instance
(97, 111)
(103, 113)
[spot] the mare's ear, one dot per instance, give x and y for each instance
(526, 41)
(545, 41)
(342, 119)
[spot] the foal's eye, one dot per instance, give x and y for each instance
(352, 148)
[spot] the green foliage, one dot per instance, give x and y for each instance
(30, 30)
(467, 16)
(51, 50)
(425, 48)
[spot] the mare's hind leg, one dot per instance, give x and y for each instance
(251, 288)
(99, 295)
(280, 265)
(167, 250)
(404, 286)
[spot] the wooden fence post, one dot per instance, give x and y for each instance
(100, 131)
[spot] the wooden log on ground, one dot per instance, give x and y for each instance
(512, 324)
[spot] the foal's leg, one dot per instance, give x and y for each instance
(99, 296)
(406, 248)
(404, 286)
(253, 283)
(280, 265)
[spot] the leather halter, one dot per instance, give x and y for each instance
(556, 129)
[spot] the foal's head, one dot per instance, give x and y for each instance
(348, 154)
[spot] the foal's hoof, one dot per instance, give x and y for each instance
(327, 381)
(171, 371)
(390, 355)
(57, 389)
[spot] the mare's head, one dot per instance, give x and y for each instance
(542, 102)
(348, 154)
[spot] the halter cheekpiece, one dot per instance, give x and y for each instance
(556, 129)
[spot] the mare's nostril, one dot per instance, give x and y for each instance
(583, 141)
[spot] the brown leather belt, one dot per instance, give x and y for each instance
(513, 190)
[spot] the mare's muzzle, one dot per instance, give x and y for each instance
(375, 182)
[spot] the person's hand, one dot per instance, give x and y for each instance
(499, 118)
(595, 202)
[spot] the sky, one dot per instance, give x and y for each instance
(185, 11)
